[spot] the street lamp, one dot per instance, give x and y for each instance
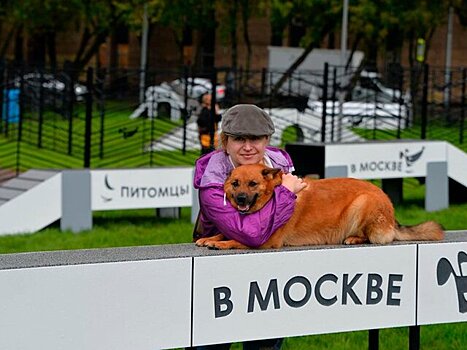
(144, 54)
(345, 16)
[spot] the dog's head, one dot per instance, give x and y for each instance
(249, 187)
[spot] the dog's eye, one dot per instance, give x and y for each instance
(235, 184)
(252, 184)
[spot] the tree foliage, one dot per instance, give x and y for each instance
(375, 26)
(320, 16)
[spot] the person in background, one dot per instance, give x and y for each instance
(245, 137)
(206, 124)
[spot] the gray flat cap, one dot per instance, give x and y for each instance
(247, 120)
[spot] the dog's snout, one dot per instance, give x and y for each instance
(241, 198)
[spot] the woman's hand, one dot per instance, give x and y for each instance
(293, 183)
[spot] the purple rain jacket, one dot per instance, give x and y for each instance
(217, 215)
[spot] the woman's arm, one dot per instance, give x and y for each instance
(250, 229)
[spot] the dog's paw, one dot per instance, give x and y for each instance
(203, 242)
(200, 242)
(222, 245)
(355, 240)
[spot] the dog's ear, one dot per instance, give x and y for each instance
(271, 173)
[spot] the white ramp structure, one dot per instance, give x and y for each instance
(457, 164)
(30, 202)
(38, 198)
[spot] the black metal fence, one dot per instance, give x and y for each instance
(134, 118)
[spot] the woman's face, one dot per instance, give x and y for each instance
(206, 100)
(246, 150)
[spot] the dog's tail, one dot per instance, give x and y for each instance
(427, 231)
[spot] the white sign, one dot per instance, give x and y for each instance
(442, 283)
(386, 160)
(141, 188)
(118, 306)
(269, 295)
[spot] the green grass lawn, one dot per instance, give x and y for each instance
(435, 131)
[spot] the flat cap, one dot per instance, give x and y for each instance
(247, 120)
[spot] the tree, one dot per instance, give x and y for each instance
(41, 20)
(192, 15)
(460, 6)
(279, 16)
(32, 17)
(97, 20)
(321, 17)
(5, 24)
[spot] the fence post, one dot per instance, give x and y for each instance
(333, 113)
(21, 104)
(461, 127)
(375, 114)
(414, 337)
(185, 103)
(6, 117)
(88, 129)
(373, 339)
(153, 142)
(424, 102)
(20, 122)
(270, 84)
(41, 108)
(3, 86)
(240, 83)
(448, 98)
(71, 98)
(401, 103)
(212, 123)
(325, 102)
(99, 89)
(263, 82)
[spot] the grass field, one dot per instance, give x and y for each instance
(435, 131)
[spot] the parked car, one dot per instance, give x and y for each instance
(53, 85)
(196, 87)
(370, 87)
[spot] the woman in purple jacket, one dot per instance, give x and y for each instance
(246, 132)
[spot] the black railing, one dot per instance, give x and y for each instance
(96, 118)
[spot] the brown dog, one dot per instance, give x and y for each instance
(328, 211)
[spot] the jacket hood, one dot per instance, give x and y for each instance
(213, 168)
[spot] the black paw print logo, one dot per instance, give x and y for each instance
(444, 272)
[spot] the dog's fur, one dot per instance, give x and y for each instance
(328, 211)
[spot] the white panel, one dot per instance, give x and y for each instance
(442, 291)
(129, 305)
(240, 274)
(457, 164)
(385, 160)
(141, 188)
(34, 209)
